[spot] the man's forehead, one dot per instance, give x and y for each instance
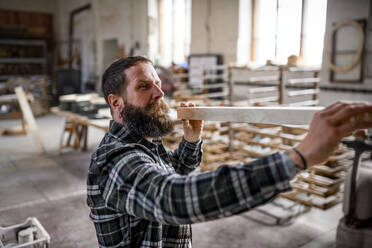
(142, 71)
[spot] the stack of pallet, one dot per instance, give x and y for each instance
(305, 82)
(320, 186)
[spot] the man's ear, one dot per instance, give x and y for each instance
(116, 103)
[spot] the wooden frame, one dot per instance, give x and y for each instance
(267, 115)
(313, 90)
(332, 74)
(266, 84)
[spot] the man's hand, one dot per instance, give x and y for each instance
(329, 126)
(192, 129)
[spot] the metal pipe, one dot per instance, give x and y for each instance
(71, 30)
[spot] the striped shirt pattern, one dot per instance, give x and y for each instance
(143, 195)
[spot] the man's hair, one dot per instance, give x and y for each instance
(113, 80)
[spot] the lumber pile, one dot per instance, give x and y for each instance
(38, 92)
(303, 86)
(320, 186)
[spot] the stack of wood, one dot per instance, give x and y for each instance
(264, 86)
(216, 147)
(38, 91)
(306, 84)
(320, 186)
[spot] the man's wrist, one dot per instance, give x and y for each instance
(192, 140)
(295, 157)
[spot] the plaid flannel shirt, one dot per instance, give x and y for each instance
(142, 195)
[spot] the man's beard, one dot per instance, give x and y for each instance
(152, 121)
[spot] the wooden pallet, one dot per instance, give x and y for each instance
(308, 200)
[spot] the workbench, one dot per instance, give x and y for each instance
(76, 127)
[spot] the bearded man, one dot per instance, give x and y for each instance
(143, 195)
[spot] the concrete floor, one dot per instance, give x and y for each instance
(52, 188)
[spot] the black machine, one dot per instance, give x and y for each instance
(69, 80)
(355, 228)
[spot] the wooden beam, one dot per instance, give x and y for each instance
(29, 117)
(262, 79)
(269, 115)
(304, 103)
(253, 34)
(263, 89)
(303, 81)
(263, 100)
(303, 92)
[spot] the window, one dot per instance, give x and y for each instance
(314, 31)
(153, 37)
(278, 31)
(288, 29)
(170, 30)
(244, 33)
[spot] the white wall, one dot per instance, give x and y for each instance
(46, 6)
(106, 19)
(124, 20)
(348, 39)
(214, 27)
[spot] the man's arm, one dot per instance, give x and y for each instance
(329, 126)
(136, 187)
(188, 154)
(186, 157)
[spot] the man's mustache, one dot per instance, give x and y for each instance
(156, 107)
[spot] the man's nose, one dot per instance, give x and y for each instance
(157, 92)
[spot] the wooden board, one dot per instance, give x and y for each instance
(29, 118)
(269, 115)
(16, 130)
(320, 181)
(315, 190)
(327, 171)
(308, 201)
(283, 136)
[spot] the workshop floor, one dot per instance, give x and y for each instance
(52, 188)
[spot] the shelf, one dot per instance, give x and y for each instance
(22, 60)
(18, 64)
(22, 42)
(21, 75)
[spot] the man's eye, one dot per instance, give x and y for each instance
(143, 86)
